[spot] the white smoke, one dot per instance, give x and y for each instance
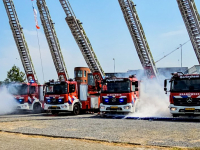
(7, 101)
(153, 100)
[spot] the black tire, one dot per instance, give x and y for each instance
(76, 109)
(102, 115)
(83, 111)
(54, 112)
(37, 108)
(97, 110)
(20, 111)
(175, 116)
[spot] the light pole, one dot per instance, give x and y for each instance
(181, 55)
(114, 64)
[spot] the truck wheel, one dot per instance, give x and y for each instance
(175, 115)
(102, 114)
(19, 111)
(76, 109)
(97, 110)
(53, 112)
(37, 108)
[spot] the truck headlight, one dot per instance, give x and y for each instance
(102, 107)
(64, 106)
(127, 107)
(24, 106)
(173, 108)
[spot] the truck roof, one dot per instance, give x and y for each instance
(131, 78)
(60, 82)
(185, 76)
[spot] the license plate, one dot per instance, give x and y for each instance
(54, 106)
(189, 108)
(114, 107)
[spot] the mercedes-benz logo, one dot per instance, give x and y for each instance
(54, 100)
(189, 100)
(113, 99)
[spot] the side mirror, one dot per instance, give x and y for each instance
(44, 89)
(165, 89)
(71, 88)
(165, 86)
(136, 88)
(98, 86)
(165, 83)
(135, 83)
(31, 90)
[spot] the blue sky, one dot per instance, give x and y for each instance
(106, 28)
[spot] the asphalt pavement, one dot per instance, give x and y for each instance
(93, 127)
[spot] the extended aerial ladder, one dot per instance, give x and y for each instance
(20, 41)
(52, 40)
(191, 19)
(83, 42)
(138, 36)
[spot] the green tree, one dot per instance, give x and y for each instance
(15, 75)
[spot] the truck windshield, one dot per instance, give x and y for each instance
(185, 85)
(18, 89)
(56, 88)
(116, 87)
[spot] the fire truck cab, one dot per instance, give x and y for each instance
(61, 96)
(119, 95)
(29, 96)
(184, 94)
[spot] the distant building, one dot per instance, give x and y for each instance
(166, 72)
(194, 70)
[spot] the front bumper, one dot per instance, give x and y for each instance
(184, 110)
(60, 107)
(128, 108)
(24, 106)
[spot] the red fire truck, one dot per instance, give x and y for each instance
(28, 95)
(62, 96)
(91, 100)
(119, 95)
(184, 94)
(65, 94)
